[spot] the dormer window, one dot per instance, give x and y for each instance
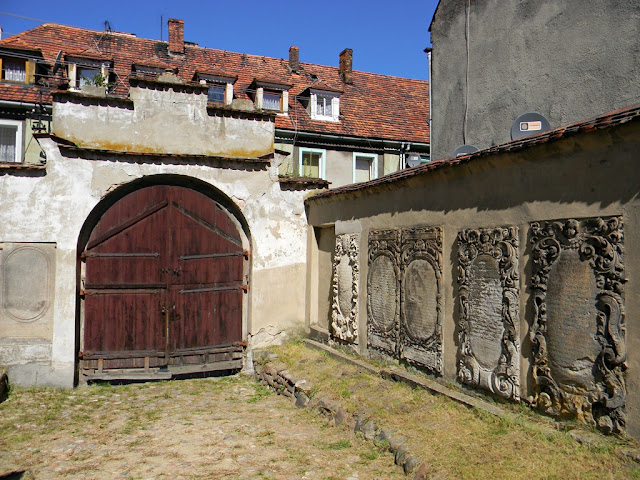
(271, 96)
(324, 105)
(272, 100)
(86, 71)
(14, 70)
(220, 86)
(18, 69)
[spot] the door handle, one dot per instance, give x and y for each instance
(174, 314)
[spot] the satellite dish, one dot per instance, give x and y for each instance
(529, 124)
(464, 150)
(57, 64)
(413, 160)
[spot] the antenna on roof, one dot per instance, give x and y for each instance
(107, 26)
(161, 24)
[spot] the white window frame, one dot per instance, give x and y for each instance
(75, 65)
(322, 163)
(19, 133)
(335, 106)
(373, 168)
(284, 99)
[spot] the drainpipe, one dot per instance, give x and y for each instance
(429, 51)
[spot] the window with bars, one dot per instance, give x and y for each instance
(10, 141)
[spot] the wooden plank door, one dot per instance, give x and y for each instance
(207, 278)
(163, 284)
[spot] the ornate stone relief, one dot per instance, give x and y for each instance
(489, 304)
(421, 298)
(404, 295)
(578, 333)
(346, 276)
(27, 272)
(383, 291)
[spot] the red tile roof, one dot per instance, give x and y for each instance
(373, 106)
(611, 119)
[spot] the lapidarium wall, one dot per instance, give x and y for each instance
(516, 273)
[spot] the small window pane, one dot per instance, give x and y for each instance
(216, 93)
(311, 164)
(363, 169)
(271, 101)
(8, 136)
(324, 105)
(87, 75)
(14, 70)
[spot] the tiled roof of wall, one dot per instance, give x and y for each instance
(373, 106)
(611, 119)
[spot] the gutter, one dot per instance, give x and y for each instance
(10, 103)
(343, 140)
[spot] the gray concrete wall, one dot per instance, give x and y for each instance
(48, 209)
(568, 60)
(589, 175)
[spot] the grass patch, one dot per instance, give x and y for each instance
(457, 441)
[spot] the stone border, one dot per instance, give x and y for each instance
(275, 375)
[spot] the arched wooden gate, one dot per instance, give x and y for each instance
(163, 283)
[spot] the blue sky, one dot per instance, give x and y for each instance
(387, 37)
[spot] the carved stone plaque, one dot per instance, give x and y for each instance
(489, 303)
(421, 307)
(578, 329)
(346, 275)
(485, 308)
(27, 272)
(383, 291)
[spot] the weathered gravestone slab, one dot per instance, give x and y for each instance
(489, 302)
(383, 291)
(578, 329)
(421, 299)
(27, 272)
(346, 275)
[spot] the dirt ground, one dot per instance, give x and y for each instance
(214, 428)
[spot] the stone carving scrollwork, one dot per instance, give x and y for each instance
(383, 291)
(345, 280)
(488, 279)
(579, 338)
(421, 299)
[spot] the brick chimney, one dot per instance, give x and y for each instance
(176, 36)
(346, 65)
(294, 59)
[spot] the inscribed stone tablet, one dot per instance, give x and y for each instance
(572, 320)
(26, 276)
(345, 285)
(383, 292)
(420, 299)
(485, 311)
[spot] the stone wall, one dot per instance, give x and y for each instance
(501, 59)
(515, 273)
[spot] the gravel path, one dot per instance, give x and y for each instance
(217, 428)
